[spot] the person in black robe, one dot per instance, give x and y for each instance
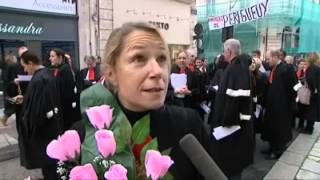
(67, 87)
(9, 73)
(198, 88)
(233, 107)
(41, 117)
(221, 65)
(280, 106)
(259, 88)
(181, 97)
(141, 63)
(312, 78)
(89, 75)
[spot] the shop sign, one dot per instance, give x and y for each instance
(30, 29)
(160, 25)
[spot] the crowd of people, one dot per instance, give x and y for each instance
(247, 93)
(45, 105)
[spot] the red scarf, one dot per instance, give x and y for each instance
(271, 75)
(91, 74)
(55, 72)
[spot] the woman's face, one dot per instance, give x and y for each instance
(141, 73)
(199, 63)
(54, 59)
(301, 65)
(253, 66)
(181, 59)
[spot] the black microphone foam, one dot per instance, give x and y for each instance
(200, 158)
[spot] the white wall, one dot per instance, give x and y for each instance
(176, 14)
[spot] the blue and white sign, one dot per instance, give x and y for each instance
(248, 14)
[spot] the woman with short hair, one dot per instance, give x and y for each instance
(136, 67)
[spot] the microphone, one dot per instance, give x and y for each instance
(200, 158)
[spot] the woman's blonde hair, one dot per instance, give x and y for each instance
(313, 58)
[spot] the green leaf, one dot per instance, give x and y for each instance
(168, 176)
(151, 145)
(141, 130)
(89, 148)
(122, 131)
(166, 152)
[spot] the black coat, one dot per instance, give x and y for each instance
(233, 106)
(68, 94)
(313, 81)
(9, 73)
(37, 128)
(280, 106)
(82, 83)
(170, 125)
(170, 97)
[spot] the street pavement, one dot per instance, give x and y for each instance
(301, 160)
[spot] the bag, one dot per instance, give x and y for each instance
(304, 94)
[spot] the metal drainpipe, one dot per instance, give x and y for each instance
(98, 12)
(90, 41)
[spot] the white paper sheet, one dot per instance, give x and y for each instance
(222, 132)
(178, 80)
(24, 77)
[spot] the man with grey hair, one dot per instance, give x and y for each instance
(232, 110)
(231, 49)
(280, 105)
(89, 75)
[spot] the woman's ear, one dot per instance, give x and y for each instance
(111, 76)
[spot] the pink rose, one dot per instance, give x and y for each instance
(66, 147)
(100, 116)
(116, 172)
(84, 172)
(156, 164)
(105, 142)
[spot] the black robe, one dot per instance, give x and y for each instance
(68, 94)
(259, 91)
(12, 89)
(280, 106)
(313, 81)
(233, 106)
(38, 127)
(186, 101)
(9, 73)
(82, 83)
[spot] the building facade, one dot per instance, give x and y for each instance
(97, 19)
